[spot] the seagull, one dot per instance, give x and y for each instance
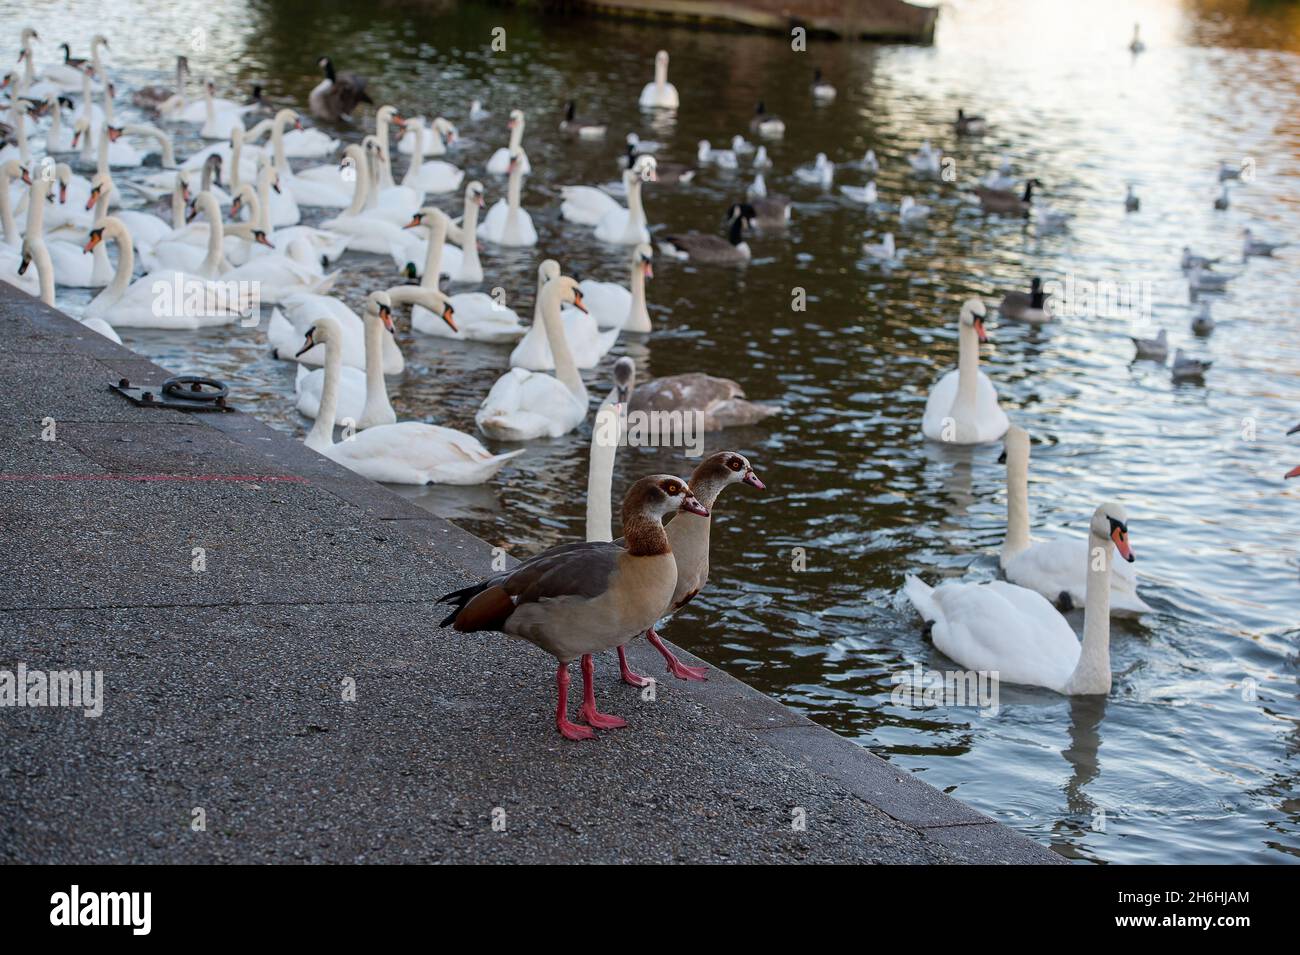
(1193, 261)
(1222, 201)
(1255, 246)
(1202, 321)
(1201, 280)
(910, 211)
(1131, 202)
(1188, 369)
(1152, 349)
(882, 251)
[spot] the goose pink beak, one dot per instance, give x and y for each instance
(752, 480)
(691, 505)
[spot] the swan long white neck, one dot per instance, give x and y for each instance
(517, 135)
(968, 369)
(101, 163)
(29, 69)
(260, 215)
(661, 73)
(385, 160)
(416, 127)
(1017, 539)
(605, 438)
(513, 187)
(1092, 673)
(565, 369)
(20, 131)
(167, 153)
(56, 122)
(6, 208)
(277, 141)
(377, 409)
(44, 267)
(216, 236)
(321, 436)
(638, 318)
(360, 188)
(433, 252)
(635, 211)
(469, 237)
(114, 229)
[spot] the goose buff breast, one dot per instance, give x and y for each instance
(576, 599)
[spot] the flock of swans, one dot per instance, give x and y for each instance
(232, 218)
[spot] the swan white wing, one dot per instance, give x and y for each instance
(1006, 629)
(613, 227)
(938, 407)
(411, 452)
(524, 405)
(992, 420)
(308, 144)
(608, 302)
(498, 163)
(351, 394)
(1060, 565)
(478, 319)
(586, 205)
(437, 177)
(494, 226)
(151, 302)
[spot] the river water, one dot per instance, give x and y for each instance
(1194, 755)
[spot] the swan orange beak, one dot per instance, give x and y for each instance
(96, 237)
(386, 316)
(398, 121)
(1294, 472)
(447, 313)
(63, 193)
(260, 237)
(114, 133)
(649, 269)
(309, 342)
(417, 220)
(26, 177)
(236, 204)
(1119, 535)
(577, 302)
(979, 330)
(94, 197)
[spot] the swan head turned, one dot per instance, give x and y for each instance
(662, 57)
(379, 303)
(549, 269)
(474, 192)
(1111, 521)
(565, 287)
(516, 118)
(323, 331)
(972, 315)
(646, 168)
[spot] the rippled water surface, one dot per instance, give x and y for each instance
(1193, 757)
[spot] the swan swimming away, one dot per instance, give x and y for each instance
(1016, 633)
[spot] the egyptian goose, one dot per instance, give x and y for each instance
(688, 536)
(578, 599)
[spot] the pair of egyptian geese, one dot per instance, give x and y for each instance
(577, 599)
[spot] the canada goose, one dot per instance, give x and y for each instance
(698, 247)
(1131, 201)
(1221, 201)
(999, 202)
(969, 125)
(578, 599)
(765, 123)
(336, 96)
(773, 209)
(1152, 349)
(1030, 307)
(580, 128)
(689, 541)
(821, 90)
(1253, 246)
(1186, 368)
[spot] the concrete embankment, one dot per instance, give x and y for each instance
(226, 733)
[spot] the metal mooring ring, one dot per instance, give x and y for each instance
(195, 388)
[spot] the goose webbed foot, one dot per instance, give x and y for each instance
(588, 712)
(629, 677)
(567, 729)
(675, 666)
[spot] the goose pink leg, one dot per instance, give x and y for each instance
(635, 679)
(675, 666)
(588, 713)
(568, 730)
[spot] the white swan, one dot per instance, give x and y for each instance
(172, 299)
(523, 404)
(659, 93)
(434, 137)
(498, 163)
(434, 176)
(614, 306)
(326, 246)
(627, 226)
(506, 223)
(479, 317)
(963, 405)
(68, 264)
(147, 229)
(35, 251)
(365, 233)
(1054, 568)
(408, 452)
(207, 261)
(362, 395)
(298, 142)
(10, 247)
(285, 330)
(1014, 632)
(584, 341)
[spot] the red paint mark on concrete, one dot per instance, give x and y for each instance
(183, 478)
